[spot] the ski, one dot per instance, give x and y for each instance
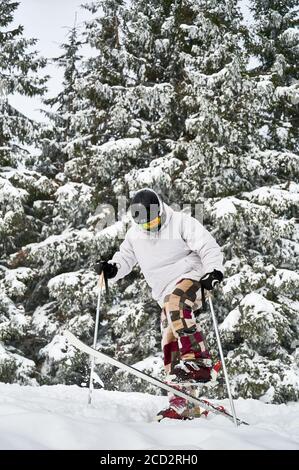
(205, 404)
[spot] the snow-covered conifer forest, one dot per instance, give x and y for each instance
(187, 98)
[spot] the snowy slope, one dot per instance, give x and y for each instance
(57, 417)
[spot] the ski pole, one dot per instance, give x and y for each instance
(95, 337)
(223, 362)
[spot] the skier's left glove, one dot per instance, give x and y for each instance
(109, 269)
(210, 280)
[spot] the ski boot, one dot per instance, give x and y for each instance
(190, 372)
(180, 409)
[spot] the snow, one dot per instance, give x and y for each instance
(68, 279)
(57, 244)
(290, 93)
(290, 37)
(42, 321)
(71, 191)
(12, 282)
(53, 239)
(257, 303)
(224, 207)
(56, 350)
(29, 179)
(160, 171)
(10, 196)
(191, 30)
(121, 145)
(58, 417)
(283, 277)
(275, 196)
(116, 230)
(152, 364)
(231, 321)
(231, 283)
(23, 366)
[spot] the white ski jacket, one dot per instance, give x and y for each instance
(182, 248)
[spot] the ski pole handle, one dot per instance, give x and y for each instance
(101, 280)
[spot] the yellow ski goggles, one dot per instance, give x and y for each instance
(152, 224)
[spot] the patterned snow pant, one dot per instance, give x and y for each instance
(182, 338)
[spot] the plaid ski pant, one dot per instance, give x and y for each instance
(182, 338)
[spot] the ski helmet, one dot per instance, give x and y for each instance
(146, 209)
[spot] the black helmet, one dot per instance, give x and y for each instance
(146, 207)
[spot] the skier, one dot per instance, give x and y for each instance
(179, 258)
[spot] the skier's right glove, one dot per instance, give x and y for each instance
(109, 269)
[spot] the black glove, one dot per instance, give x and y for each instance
(109, 269)
(209, 280)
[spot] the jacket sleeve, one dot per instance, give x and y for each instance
(124, 258)
(203, 243)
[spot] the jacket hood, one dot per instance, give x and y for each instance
(166, 214)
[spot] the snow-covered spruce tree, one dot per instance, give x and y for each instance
(263, 260)
(73, 200)
(188, 55)
(104, 148)
(21, 188)
(215, 155)
(56, 135)
(65, 295)
(147, 91)
(275, 43)
(262, 250)
(134, 99)
(228, 167)
(127, 111)
(18, 74)
(60, 250)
